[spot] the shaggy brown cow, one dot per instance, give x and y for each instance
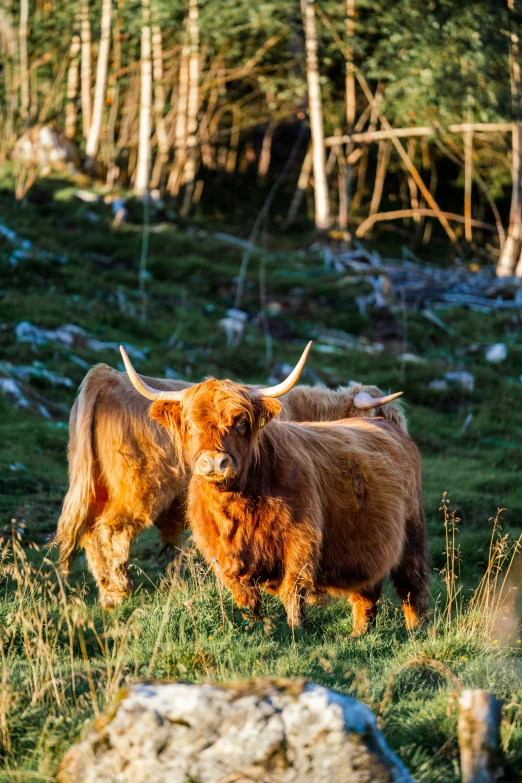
(298, 509)
(124, 475)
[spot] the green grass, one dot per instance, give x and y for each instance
(62, 660)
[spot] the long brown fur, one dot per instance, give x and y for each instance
(125, 474)
(308, 508)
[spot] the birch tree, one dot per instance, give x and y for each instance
(322, 202)
(72, 87)
(181, 123)
(93, 140)
(86, 75)
(511, 249)
(189, 173)
(350, 69)
(266, 150)
(141, 184)
(159, 108)
(24, 74)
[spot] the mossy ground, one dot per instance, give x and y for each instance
(182, 625)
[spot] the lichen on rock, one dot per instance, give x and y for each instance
(263, 730)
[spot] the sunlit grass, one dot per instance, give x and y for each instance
(64, 659)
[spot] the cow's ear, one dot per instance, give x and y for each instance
(166, 413)
(269, 408)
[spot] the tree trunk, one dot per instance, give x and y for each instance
(343, 188)
(412, 185)
(72, 87)
(141, 183)
(93, 141)
(266, 151)
(468, 171)
(511, 249)
(85, 35)
(113, 96)
(181, 123)
(207, 151)
(350, 70)
(322, 202)
(363, 162)
(302, 184)
(383, 159)
(189, 172)
(24, 74)
(159, 108)
(235, 133)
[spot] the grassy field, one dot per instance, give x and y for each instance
(63, 658)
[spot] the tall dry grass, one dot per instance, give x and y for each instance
(63, 659)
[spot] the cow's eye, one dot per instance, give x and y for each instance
(191, 427)
(242, 426)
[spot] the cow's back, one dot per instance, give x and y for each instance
(364, 474)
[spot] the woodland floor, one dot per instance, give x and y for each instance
(63, 658)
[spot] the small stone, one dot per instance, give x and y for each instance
(462, 379)
(438, 385)
(412, 358)
(496, 353)
(87, 195)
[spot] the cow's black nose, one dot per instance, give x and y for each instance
(222, 462)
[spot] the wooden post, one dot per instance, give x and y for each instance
(479, 736)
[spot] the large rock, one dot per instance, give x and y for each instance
(47, 149)
(271, 731)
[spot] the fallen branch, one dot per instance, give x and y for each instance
(487, 127)
(418, 212)
(368, 136)
(396, 133)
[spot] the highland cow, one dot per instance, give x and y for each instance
(298, 509)
(124, 475)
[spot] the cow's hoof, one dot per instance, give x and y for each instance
(111, 599)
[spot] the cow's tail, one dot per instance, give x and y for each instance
(81, 492)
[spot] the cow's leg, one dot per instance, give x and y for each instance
(96, 558)
(410, 577)
(298, 579)
(245, 595)
(117, 542)
(364, 607)
(107, 546)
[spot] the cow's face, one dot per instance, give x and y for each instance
(217, 423)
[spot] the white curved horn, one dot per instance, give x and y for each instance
(365, 401)
(144, 388)
(290, 382)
